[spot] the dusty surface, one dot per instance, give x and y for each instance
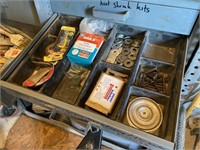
(6, 125)
(29, 133)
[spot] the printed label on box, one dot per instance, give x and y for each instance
(105, 92)
(85, 48)
(84, 54)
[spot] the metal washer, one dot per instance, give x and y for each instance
(134, 50)
(128, 63)
(120, 59)
(126, 51)
(115, 52)
(145, 114)
(119, 41)
(119, 35)
(117, 45)
(132, 56)
(136, 43)
(128, 41)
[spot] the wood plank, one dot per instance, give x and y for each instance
(29, 133)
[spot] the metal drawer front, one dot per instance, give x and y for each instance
(152, 16)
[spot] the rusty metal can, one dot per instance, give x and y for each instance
(145, 114)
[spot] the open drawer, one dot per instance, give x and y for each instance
(156, 77)
(21, 36)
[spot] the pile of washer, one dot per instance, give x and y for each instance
(124, 51)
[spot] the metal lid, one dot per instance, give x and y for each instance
(145, 114)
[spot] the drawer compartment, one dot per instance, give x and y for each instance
(163, 47)
(91, 82)
(34, 61)
(155, 76)
(162, 101)
(65, 93)
(66, 78)
(125, 44)
(19, 42)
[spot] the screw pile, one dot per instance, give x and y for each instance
(152, 79)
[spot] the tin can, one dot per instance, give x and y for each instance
(145, 114)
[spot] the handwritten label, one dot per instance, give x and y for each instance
(104, 3)
(117, 4)
(143, 7)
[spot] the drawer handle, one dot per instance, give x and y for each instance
(116, 16)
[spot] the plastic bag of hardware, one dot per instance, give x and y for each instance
(77, 71)
(94, 26)
(72, 83)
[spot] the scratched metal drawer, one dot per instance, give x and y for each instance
(114, 123)
(124, 13)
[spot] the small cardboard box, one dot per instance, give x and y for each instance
(105, 93)
(85, 49)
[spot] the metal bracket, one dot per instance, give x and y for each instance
(93, 137)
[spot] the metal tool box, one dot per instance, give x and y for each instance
(162, 27)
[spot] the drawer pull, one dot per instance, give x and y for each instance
(116, 16)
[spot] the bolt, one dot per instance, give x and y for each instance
(151, 70)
